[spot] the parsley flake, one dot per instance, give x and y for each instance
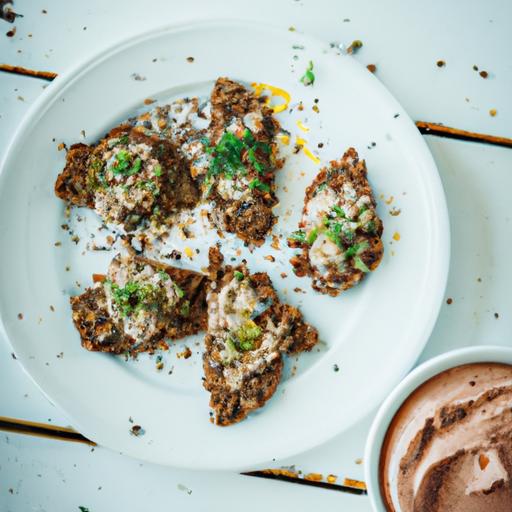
(256, 183)
(179, 292)
(360, 265)
(298, 236)
(312, 236)
(308, 78)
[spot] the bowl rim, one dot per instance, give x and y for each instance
(418, 376)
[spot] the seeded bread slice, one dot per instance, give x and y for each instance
(249, 330)
(105, 325)
(71, 184)
(340, 231)
(244, 158)
(128, 177)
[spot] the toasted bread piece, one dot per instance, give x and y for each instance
(128, 178)
(224, 150)
(340, 231)
(98, 331)
(139, 305)
(243, 161)
(71, 184)
(249, 330)
(184, 123)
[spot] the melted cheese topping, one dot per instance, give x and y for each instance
(259, 358)
(123, 193)
(347, 212)
(143, 323)
(234, 188)
(319, 206)
(231, 307)
(324, 252)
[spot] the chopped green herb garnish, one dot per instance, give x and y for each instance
(239, 275)
(135, 167)
(95, 175)
(349, 235)
(351, 251)
(83, 509)
(356, 249)
(333, 235)
(179, 292)
(256, 183)
(164, 275)
(338, 232)
(312, 236)
(133, 297)
(298, 236)
(123, 161)
(363, 209)
(339, 211)
(251, 156)
(157, 170)
(123, 164)
(185, 308)
(231, 351)
(149, 185)
(334, 232)
(209, 188)
(308, 78)
(227, 158)
(360, 265)
(248, 136)
(371, 227)
(246, 345)
(247, 335)
(119, 140)
(228, 154)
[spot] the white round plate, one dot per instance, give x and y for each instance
(373, 333)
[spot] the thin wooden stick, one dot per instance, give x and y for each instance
(18, 70)
(270, 475)
(423, 126)
(40, 429)
(68, 434)
(454, 133)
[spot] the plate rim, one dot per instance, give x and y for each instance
(438, 213)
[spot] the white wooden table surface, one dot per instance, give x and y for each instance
(404, 40)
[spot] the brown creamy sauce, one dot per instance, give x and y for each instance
(449, 446)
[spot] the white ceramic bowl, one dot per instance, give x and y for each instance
(479, 354)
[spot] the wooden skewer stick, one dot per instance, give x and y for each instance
(40, 429)
(423, 126)
(454, 133)
(68, 434)
(302, 481)
(18, 70)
